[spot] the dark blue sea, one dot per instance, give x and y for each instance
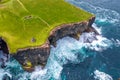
(76, 60)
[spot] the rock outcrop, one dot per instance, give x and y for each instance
(3, 46)
(4, 53)
(73, 30)
(31, 57)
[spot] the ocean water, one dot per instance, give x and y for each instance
(76, 60)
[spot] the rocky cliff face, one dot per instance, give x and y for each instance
(73, 30)
(31, 57)
(4, 53)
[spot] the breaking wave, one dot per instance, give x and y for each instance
(4, 73)
(101, 76)
(70, 50)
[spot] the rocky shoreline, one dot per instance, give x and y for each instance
(33, 56)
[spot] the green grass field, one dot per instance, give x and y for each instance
(23, 20)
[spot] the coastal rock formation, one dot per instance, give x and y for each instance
(73, 30)
(33, 56)
(4, 53)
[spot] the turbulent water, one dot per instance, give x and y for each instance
(76, 60)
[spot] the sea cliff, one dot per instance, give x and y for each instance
(33, 56)
(39, 55)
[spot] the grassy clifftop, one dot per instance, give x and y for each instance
(26, 23)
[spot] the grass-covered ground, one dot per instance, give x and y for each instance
(24, 20)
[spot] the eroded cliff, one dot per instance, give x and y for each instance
(33, 56)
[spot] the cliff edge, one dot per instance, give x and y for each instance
(29, 26)
(31, 57)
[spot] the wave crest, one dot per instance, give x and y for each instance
(69, 50)
(101, 76)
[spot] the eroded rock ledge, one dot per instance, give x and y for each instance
(31, 57)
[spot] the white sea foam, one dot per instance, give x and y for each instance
(102, 15)
(67, 50)
(99, 45)
(38, 74)
(99, 29)
(116, 42)
(3, 72)
(101, 75)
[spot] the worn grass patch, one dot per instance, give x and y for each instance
(24, 20)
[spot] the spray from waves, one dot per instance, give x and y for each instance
(69, 50)
(102, 15)
(73, 51)
(116, 42)
(13, 71)
(3, 73)
(99, 29)
(102, 76)
(112, 41)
